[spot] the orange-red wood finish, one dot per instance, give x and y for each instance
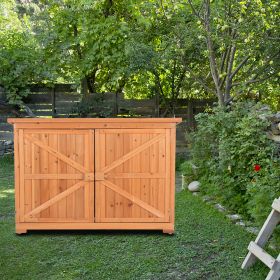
(94, 173)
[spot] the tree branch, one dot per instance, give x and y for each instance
(242, 63)
(200, 81)
(229, 69)
(194, 10)
(212, 58)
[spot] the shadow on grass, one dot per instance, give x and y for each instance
(112, 233)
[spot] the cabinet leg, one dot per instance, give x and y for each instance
(168, 231)
(21, 231)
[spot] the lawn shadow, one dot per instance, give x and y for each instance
(95, 232)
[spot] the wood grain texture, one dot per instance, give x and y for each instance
(95, 174)
(124, 194)
(54, 183)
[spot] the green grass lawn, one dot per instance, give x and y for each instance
(205, 246)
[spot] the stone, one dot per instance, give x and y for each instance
(220, 207)
(275, 117)
(263, 117)
(253, 230)
(207, 198)
(241, 223)
(234, 217)
(194, 186)
(275, 129)
(273, 137)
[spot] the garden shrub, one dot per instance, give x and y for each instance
(236, 161)
(189, 170)
(92, 106)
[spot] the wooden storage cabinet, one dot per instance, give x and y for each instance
(94, 173)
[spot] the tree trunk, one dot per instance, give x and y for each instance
(84, 88)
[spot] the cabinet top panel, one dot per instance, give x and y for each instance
(94, 122)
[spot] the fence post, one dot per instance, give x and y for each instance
(53, 102)
(116, 104)
(156, 99)
(190, 114)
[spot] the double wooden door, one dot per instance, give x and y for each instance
(94, 175)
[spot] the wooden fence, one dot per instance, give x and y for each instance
(62, 99)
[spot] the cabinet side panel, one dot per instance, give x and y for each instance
(172, 172)
(21, 175)
(17, 173)
(168, 183)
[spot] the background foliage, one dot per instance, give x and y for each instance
(171, 49)
(226, 150)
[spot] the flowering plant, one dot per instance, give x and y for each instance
(257, 167)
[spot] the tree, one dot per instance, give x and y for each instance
(242, 40)
(19, 53)
(161, 51)
(83, 39)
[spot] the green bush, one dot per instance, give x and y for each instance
(189, 170)
(93, 106)
(226, 147)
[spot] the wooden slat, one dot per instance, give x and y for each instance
(36, 190)
(54, 176)
(171, 183)
(45, 113)
(134, 199)
(53, 200)
(276, 205)
(5, 127)
(131, 130)
(119, 201)
(266, 231)
(82, 195)
(135, 183)
(99, 163)
(105, 120)
(44, 168)
(168, 183)
(90, 125)
(6, 135)
(132, 153)
(3, 118)
(126, 103)
(105, 226)
(39, 106)
(53, 168)
(102, 162)
(62, 169)
(109, 195)
(57, 154)
(27, 183)
(127, 184)
(133, 220)
(274, 274)
(146, 175)
(91, 166)
(55, 220)
(70, 153)
(154, 184)
(145, 182)
(21, 175)
(17, 174)
(262, 255)
(161, 192)
(55, 131)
